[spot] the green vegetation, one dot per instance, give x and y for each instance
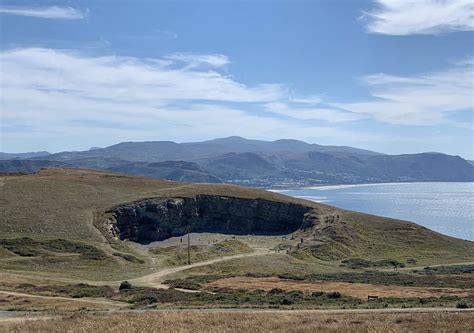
(464, 281)
(390, 278)
(52, 230)
(125, 285)
(358, 263)
(27, 247)
(454, 269)
(129, 257)
(69, 290)
(139, 297)
(462, 305)
(275, 298)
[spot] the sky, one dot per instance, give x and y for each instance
(390, 76)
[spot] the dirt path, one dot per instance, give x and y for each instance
(150, 280)
(155, 279)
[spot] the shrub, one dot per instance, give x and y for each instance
(276, 291)
(462, 305)
(25, 247)
(286, 301)
(125, 285)
(334, 295)
(295, 295)
(63, 245)
(358, 263)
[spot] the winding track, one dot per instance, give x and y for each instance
(155, 279)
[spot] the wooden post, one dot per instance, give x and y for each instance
(189, 245)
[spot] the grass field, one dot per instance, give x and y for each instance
(59, 205)
(250, 322)
(56, 259)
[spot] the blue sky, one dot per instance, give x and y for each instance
(395, 77)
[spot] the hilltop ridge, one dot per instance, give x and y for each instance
(256, 163)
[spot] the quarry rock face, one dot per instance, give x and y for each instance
(160, 218)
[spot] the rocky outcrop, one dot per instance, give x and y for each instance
(160, 218)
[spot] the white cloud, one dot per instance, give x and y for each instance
(406, 17)
(65, 100)
(53, 12)
(327, 114)
(194, 60)
(165, 34)
(123, 79)
(419, 99)
(312, 99)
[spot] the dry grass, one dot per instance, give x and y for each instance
(251, 322)
(358, 290)
(62, 203)
(22, 303)
(178, 254)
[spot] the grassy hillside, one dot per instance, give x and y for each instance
(47, 226)
(61, 202)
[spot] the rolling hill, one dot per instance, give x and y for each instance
(76, 222)
(256, 163)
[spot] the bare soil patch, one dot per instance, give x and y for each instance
(358, 290)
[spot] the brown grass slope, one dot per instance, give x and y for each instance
(61, 204)
(185, 321)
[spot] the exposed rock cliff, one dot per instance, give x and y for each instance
(160, 218)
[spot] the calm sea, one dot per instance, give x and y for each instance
(444, 207)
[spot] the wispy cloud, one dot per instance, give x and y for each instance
(419, 99)
(109, 99)
(193, 60)
(406, 17)
(330, 115)
(53, 12)
(127, 79)
(312, 99)
(165, 34)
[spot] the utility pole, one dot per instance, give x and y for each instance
(189, 245)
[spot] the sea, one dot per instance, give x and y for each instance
(447, 208)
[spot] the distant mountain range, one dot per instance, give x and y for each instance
(252, 162)
(11, 156)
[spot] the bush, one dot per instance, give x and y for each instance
(334, 295)
(276, 291)
(358, 263)
(317, 294)
(125, 285)
(63, 245)
(295, 294)
(286, 301)
(462, 305)
(25, 247)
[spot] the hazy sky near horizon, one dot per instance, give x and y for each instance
(390, 76)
